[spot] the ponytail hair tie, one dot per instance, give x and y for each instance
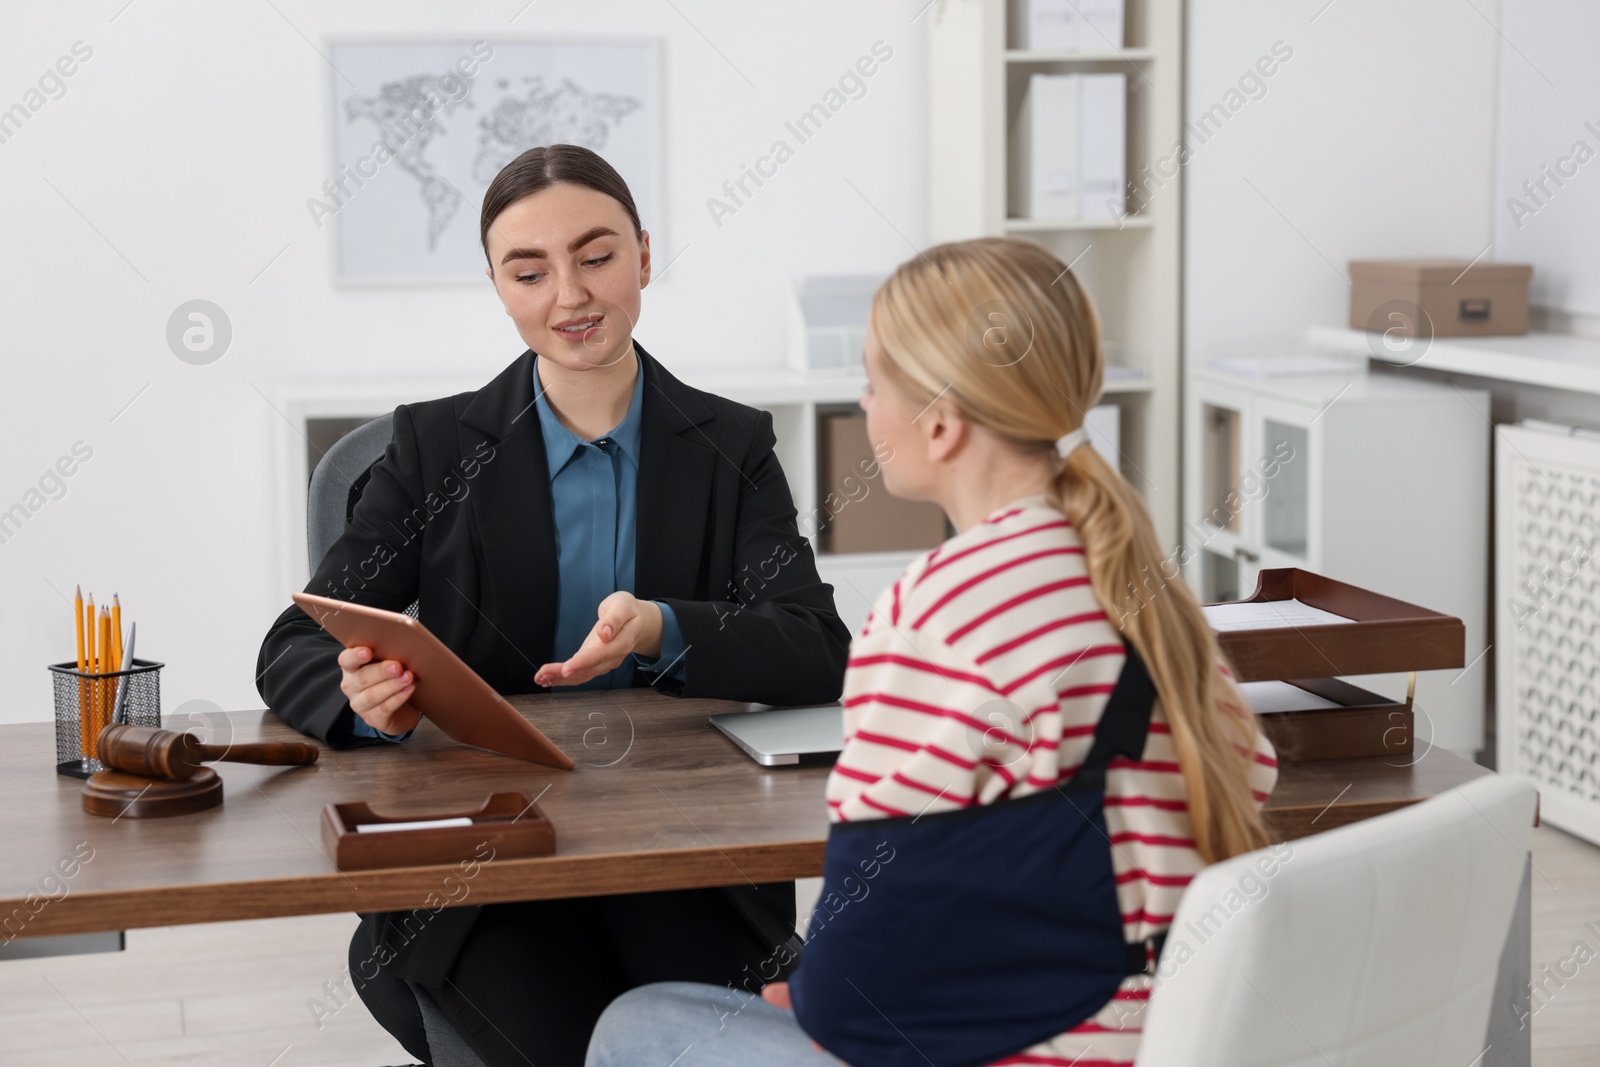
(1068, 443)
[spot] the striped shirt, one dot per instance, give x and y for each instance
(981, 675)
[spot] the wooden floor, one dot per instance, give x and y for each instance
(245, 993)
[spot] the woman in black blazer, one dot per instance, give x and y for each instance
(459, 516)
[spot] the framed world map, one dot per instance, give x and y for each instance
(420, 128)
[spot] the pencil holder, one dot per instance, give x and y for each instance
(84, 705)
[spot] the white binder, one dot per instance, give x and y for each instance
(1044, 171)
(1103, 145)
(1069, 148)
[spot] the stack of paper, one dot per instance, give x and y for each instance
(1266, 698)
(1268, 615)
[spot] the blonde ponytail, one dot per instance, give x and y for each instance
(1032, 388)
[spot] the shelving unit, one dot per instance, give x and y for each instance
(1130, 267)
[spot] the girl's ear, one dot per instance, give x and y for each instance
(944, 431)
(644, 258)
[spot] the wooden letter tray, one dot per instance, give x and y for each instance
(509, 822)
(1387, 636)
(1364, 724)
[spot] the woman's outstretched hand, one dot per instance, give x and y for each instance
(625, 625)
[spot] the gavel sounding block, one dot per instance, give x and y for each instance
(115, 793)
(510, 824)
(151, 773)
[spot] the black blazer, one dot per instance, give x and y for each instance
(457, 516)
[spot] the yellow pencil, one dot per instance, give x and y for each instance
(116, 633)
(105, 657)
(90, 620)
(83, 687)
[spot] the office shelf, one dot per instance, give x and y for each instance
(1121, 55)
(1552, 360)
(1128, 222)
(976, 80)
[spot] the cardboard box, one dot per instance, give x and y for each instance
(1439, 297)
(860, 515)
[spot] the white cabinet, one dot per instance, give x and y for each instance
(1379, 481)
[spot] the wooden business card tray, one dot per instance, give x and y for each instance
(510, 823)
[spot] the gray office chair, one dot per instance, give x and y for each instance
(336, 484)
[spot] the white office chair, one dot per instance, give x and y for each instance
(1375, 944)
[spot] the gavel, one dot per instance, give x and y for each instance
(176, 756)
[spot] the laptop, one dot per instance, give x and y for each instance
(779, 737)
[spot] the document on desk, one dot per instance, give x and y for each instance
(421, 824)
(1266, 698)
(1268, 615)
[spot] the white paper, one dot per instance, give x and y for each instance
(1268, 615)
(423, 824)
(1265, 698)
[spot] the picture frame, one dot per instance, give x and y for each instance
(419, 126)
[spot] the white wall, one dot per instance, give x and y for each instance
(184, 150)
(1375, 139)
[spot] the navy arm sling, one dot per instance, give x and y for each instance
(957, 938)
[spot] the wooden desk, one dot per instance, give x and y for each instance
(659, 800)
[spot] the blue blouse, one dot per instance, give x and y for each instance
(593, 490)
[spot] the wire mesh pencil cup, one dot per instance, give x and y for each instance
(85, 703)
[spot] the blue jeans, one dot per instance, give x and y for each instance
(686, 1024)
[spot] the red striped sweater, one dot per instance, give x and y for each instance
(981, 674)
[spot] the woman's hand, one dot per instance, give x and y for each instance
(378, 691)
(626, 625)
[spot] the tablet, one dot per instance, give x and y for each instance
(448, 692)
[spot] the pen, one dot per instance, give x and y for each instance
(119, 714)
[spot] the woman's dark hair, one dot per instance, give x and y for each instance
(539, 168)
